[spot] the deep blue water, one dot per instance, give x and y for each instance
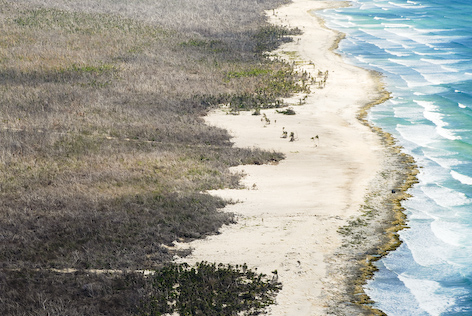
(424, 50)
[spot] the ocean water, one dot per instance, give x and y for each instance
(424, 50)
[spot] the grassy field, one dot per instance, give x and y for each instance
(104, 156)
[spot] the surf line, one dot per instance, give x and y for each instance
(381, 211)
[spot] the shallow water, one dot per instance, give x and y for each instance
(424, 50)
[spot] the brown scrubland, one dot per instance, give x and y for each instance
(105, 157)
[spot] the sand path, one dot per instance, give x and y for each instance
(290, 212)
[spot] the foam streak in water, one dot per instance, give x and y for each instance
(425, 293)
(461, 178)
(431, 112)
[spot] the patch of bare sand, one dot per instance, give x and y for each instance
(289, 214)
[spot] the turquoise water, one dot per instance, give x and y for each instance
(424, 50)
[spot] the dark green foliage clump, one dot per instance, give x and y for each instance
(269, 87)
(247, 73)
(269, 37)
(209, 289)
(203, 289)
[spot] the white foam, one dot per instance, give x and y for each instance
(417, 37)
(393, 45)
(433, 71)
(435, 53)
(445, 197)
(407, 6)
(429, 175)
(439, 77)
(442, 61)
(448, 134)
(428, 30)
(404, 62)
(461, 178)
(343, 24)
(443, 132)
(361, 59)
(429, 106)
(435, 117)
(425, 247)
(462, 106)
(447, 232)
(422, 54)
(409, 113)
(376, 33)
(396, 25)
(449, 69)
(405, 54)
(396, 100)
(414, 83)
(412, 79)
(419, 135)
(445, 67)
(425, 292)
(446, 163)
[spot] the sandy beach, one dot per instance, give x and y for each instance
(289, 214)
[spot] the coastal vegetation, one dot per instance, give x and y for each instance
(105, 157)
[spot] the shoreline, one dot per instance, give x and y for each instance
(319, 217)
(384, 211)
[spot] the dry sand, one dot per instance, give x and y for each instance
(289, 214)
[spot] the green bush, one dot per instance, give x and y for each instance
(209, 289)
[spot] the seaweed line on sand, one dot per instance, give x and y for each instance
(374, 233)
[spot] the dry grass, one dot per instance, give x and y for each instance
(103, 152)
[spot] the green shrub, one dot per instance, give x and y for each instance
(209, 289)
(269, 37)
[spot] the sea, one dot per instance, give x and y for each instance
(423, 49)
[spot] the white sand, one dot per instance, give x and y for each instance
(290, 212)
